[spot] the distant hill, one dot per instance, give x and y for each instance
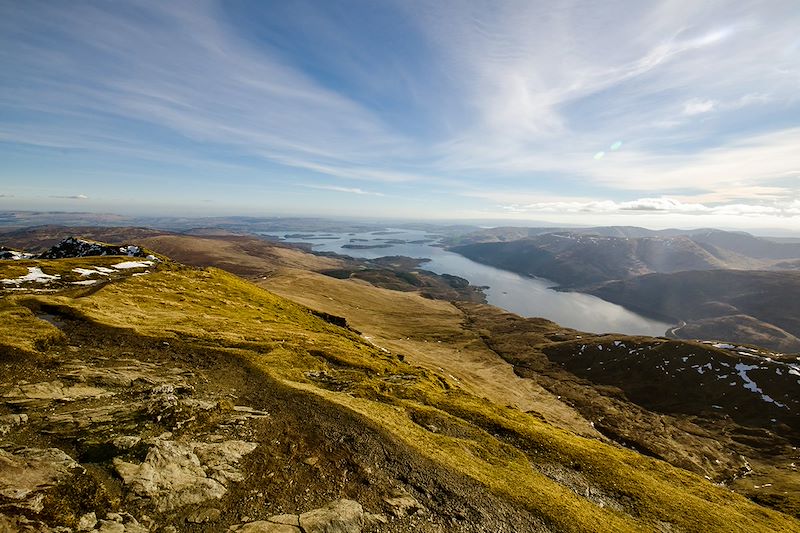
(739, 242)
(748, 245)
(762, 307)
(511, 233)
(573, 259)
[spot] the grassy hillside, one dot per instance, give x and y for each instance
(515, 456)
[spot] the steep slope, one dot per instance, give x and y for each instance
(372, 422)
(726, 411)
(761, 307)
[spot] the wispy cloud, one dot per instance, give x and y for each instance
(666, 206)
(511, 98)
(698, 107)
(351, 190)
(71, 197)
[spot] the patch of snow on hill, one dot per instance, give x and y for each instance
(34, 274)
(133, 264)
(91, 271)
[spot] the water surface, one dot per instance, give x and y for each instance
(526, 296)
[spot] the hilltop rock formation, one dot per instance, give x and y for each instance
(75, 247)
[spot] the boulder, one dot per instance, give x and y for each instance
(26, 474)
(173, 473)
(340, 516)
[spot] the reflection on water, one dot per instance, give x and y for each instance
(522, 295)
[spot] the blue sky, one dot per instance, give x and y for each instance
(678, 113)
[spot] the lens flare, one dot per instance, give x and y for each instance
(599, 155)
(616, 146)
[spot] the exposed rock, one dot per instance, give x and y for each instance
(265, 526)
(87, 522)
(287, 519)
(403, 504)
(340, 516)
(20, 524)
(42, 393)
(8, 422)
(172, 474)
(222, 458)
(26, 474)
(75, 247)
(126, 442)
(115, 523)
(14, 419)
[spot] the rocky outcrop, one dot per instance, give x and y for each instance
(27, 474)
(340, 516)
(75, 247)
(108, 411)
(175, 474)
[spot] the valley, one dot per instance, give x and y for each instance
(715, 284)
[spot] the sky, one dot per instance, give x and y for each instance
(658, 114)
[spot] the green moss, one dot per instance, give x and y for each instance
(22, 331)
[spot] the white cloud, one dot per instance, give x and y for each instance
(655, 205)
(351, 190)
(71, 197)
(698, 107)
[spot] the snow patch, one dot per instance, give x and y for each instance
(91, 271)
(34, 274)
(723, 346)
(132, 264)
(749, 384)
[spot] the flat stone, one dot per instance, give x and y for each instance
(27, 473)
(110, 526)
(403, 504)
(126, 442)
(250, 412)
(287, 519)
(263, 526)
(14, 419)
(56, 390)
(87, 522)
(340, 516)
(175, 474)
(222, 458)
